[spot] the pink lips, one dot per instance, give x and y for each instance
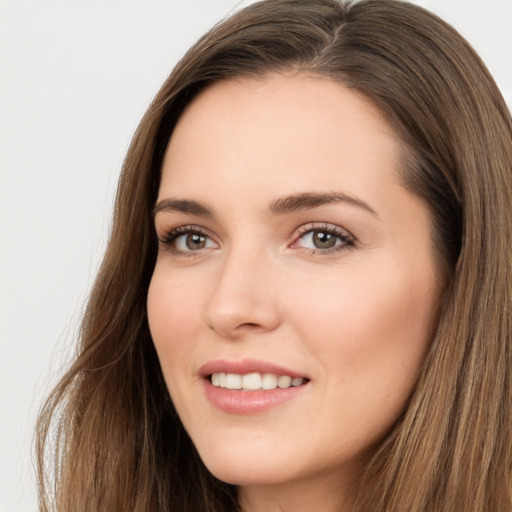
(247, 402)
(245, 366)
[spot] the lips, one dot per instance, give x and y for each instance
(249, 386)
(246, 366)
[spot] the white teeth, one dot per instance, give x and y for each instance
(233, 381)
(269, 381)
(284, 381)
(254, 381)
(297, 381)
(251, 381)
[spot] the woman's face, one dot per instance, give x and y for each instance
(289, 251)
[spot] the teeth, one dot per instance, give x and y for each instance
(233, 381)
(269, 381)
(297, 381)
(251, 381)
(254, 381)
(284, 381)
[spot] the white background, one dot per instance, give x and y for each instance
(75, 79)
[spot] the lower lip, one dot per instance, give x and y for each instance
(235, 401)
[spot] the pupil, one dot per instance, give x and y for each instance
(195, 241)
(324, 240)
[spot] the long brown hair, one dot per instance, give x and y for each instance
(110, 428)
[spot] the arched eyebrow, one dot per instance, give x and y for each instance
(182, 206)
(309, 200)
(281, 206)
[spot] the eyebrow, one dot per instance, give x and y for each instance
(182, 206)
(309, 200)
(281, 206)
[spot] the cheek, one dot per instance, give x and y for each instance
(371, 335)
(359, 309)
(173, 314)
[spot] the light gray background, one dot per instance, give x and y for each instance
(75, 78)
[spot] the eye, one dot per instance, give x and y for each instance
(192, 242)
(323, 239)
(320, 240)
(186, 240)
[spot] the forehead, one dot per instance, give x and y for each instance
(298, 129)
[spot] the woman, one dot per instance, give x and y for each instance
(305, 301)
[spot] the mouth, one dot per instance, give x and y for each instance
(250, 386)
(255, 381)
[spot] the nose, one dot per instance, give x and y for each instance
(244, 297)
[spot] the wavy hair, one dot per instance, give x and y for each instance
(109, 437)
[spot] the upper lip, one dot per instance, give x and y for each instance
(245, 366)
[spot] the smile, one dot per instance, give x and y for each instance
(254, 381)
(250, 386)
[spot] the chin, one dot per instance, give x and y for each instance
(248, 465)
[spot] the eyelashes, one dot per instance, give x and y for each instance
(322, 238)
(187, 241)
(313, 238)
